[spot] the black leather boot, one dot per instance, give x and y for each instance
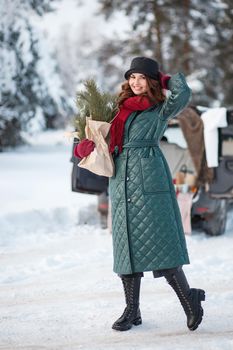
(190, 298)
(131, 315)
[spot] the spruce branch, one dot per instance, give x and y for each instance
(91, 102)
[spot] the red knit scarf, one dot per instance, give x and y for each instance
(132, 104)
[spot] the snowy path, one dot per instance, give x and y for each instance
(58, 290)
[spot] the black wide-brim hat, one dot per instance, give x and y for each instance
(145, 66)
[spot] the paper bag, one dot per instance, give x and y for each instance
(99, 161)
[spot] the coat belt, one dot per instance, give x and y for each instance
(141, 144)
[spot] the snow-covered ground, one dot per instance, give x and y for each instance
(58, 290)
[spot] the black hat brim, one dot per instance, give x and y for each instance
(141, 71)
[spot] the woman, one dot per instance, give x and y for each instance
(146, 224)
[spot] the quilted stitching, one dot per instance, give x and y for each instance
(153, 168)
(146, 223)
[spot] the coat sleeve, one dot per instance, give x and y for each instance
(178, 99)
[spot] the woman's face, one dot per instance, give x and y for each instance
(138, 83)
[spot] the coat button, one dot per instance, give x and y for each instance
(128, 200)
(127, 179)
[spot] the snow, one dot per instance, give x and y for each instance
(77, 15)
(31, 88)
(78, 30)
(58, 291)
(194, 81)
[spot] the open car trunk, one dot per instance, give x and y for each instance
(177, 157)
(211, 200)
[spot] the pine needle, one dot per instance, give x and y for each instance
(95, 104)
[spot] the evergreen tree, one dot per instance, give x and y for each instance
(26, 96)
(192, 36)
(146, 34)
(82, 43)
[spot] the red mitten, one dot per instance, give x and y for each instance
(164, 79)
(84, 148)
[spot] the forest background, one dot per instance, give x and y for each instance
(44, 59)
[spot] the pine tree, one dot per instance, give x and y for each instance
(26, 96)
(192, 36)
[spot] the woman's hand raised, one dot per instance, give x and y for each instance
(164, 79)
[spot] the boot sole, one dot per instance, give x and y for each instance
(201, 297)
(136, 322)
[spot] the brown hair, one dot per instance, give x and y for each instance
(154, 93)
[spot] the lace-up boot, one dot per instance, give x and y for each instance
(131, 315)
(190, 298)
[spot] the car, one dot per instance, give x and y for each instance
(212, 199)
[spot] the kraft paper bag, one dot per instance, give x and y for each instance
(99, 161)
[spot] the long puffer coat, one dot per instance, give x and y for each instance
(146, 223)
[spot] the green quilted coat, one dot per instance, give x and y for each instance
(146, 224)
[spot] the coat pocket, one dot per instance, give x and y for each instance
(154, 175)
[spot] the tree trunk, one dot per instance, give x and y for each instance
(158, 52)
(186, 47)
